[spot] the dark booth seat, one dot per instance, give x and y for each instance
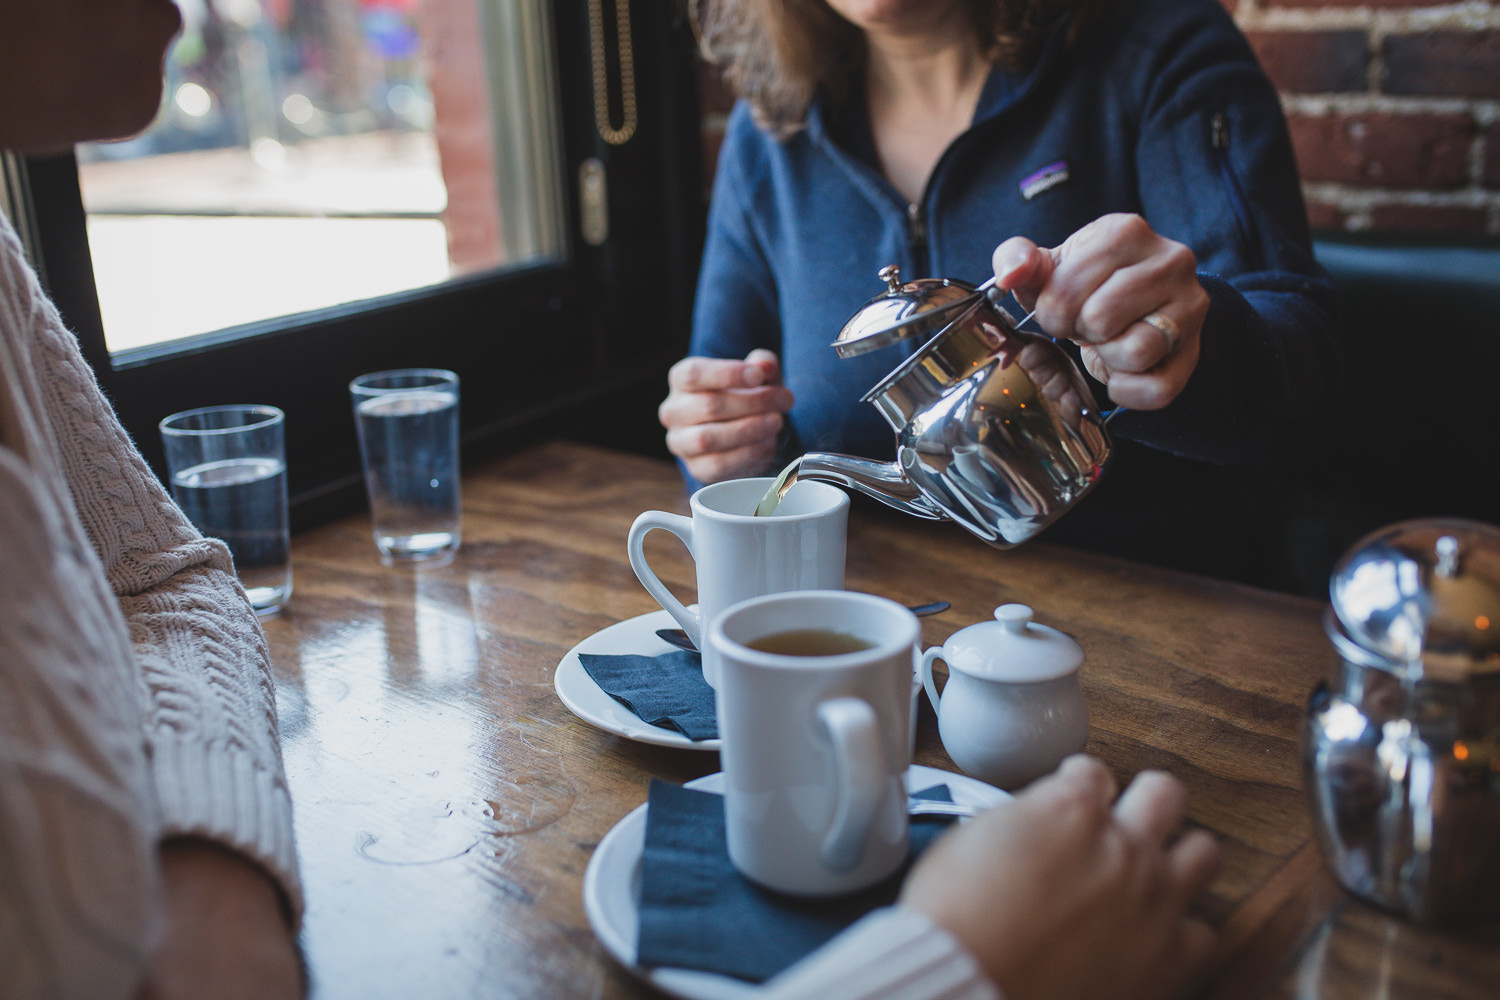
(1418, 431)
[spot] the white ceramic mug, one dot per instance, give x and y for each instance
(815, 748)
(738, 555)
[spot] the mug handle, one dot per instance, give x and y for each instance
(930, 686)
(859, 775)
(682, 527)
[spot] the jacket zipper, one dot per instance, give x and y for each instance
(1219, 140)
(916, 240)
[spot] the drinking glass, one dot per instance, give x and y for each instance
(407, 421)
(227, 468)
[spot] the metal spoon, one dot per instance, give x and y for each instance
(931, 807)
(679, 638)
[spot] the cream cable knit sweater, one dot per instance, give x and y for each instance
(136, 699)
(891, 954)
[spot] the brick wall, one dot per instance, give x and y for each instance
(454, 60)
(1394, 108)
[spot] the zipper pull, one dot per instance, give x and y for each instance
(916, 238)
(916, 226)
(1218, 131)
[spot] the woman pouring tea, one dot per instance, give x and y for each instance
(1123, 169)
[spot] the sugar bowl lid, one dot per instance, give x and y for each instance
(1423, 597)
(1012, 648)
(892, 315)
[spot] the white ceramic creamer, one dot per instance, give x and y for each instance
(1012, 708)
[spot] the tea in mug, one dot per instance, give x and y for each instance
(810, 642)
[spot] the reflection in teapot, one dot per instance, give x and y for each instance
(995, 426)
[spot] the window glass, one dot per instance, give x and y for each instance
(569, 267)
(313, 153)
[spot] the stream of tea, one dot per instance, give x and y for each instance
(777, 492)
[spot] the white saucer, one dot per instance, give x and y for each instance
(612, 886)
(588, 701)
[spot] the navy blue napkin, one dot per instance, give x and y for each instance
(698, 912)
(666, 691)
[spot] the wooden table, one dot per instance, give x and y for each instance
(447, 802)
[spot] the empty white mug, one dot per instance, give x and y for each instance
(739, 555)
(815, 747)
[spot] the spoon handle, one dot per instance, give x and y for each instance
(930, 807)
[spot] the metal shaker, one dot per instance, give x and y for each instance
(1402, 746)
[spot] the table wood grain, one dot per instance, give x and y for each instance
(447, 802)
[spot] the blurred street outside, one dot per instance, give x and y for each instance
(324, 222)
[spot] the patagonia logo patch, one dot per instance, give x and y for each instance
(1049, 176)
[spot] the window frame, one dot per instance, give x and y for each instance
(541, 349)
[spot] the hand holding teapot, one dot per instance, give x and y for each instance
(996, 427)
(1127, 295)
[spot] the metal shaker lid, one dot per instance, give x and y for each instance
(1423, 596)
(906, 310)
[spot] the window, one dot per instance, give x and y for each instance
(523, 208)
(323, 152)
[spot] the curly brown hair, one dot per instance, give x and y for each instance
(778, 53)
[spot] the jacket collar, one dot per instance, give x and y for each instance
(1002, 90)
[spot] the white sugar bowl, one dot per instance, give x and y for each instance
(1012, 708)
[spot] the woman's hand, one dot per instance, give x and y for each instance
(723, 417)
(1067, 894)
(222, 932)
(1127, 295)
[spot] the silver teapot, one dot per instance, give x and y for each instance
(995, 426)
(1402, 750)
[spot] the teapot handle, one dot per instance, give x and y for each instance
(928, 685)
(996, 296)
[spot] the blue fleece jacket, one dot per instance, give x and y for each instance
(1158, 109)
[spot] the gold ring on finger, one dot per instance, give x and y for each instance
(1168, 327)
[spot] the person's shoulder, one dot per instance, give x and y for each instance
(1146, 44)
(742, 130)
(12, 256)
(18, 282)
(747, 144)
(1163, 25)
(1154, 16)
(755, 154)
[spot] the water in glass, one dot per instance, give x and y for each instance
(242, 501)
(410, 442)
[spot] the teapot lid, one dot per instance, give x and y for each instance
(1012, 648)
(883, 320)
(1423, 597)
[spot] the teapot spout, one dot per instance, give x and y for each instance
(882, 480)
